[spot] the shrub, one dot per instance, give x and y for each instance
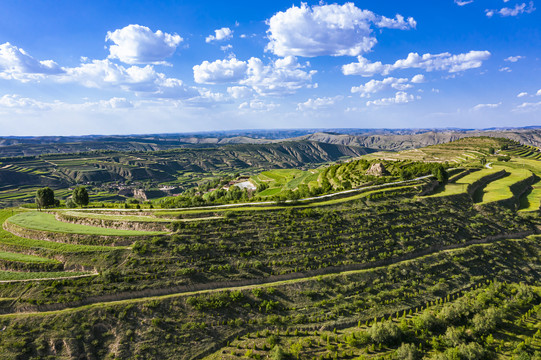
(485, 321)
(408, 352)
(385, 333)
(277, 353)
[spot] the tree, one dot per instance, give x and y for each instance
(441, 175)
(80, 196)
(45, 198)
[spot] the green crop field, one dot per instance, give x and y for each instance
(500, 189)
(47, 222)
(11, 241)
(532, 200)
(25, 258)
(461, 185)
(280, 179)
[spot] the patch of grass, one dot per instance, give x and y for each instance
(47, 222)
(116, 217)
(14, 275)
(270, 192)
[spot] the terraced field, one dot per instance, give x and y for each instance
(118, 217)
(47, 222)
(460, 151)
(435, 323)
(373, 273)
(10, 242)
(462, 185)
(284, 179)
(532, 200)
(501, 189)
(524, 151)
(9, 276)
(8, 256)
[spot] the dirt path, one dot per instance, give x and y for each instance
(160, 294)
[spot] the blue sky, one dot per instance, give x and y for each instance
(124, 67)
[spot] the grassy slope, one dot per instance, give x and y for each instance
(461, 185)
(532, 201)
(127, 217)
(499, 189)
(12, 242)
(283, 179)
(15, 275)
(9, 256)
(47, 222)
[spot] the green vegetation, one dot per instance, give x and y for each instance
(80, 196)
(462, 185)
(149, 172)
(12, 275)
(479, 324)
(48, 222)
(532, 199)
(11, 242)
(523, 151)
(465, 150)
(45, 198)
(24, 258)
(378, 272)
(501, 189)
(293, 185)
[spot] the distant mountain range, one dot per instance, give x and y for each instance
(378, 139)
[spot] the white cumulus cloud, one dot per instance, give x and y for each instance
(463, 2)
(14, 101)
(118, 103)
(258, 105)
(220, 71)
(513, 58)
(224, 33)
(517, 10)
(335, 30)
(136, 44)
(522, 94)
(283, 76)
(318, 103)
(143, 80)
(280, 77)
(15, 63)
(374, 86)
(400, 97)
(418, 79)
(429, 62)
(240, 92)
(538, 92)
